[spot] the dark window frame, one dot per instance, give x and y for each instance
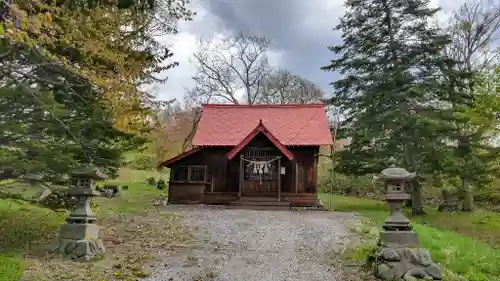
(188, 178)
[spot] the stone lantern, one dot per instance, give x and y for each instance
(399, 256)
(79, 237)
(397, 228)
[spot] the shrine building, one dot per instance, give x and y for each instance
(251, 153)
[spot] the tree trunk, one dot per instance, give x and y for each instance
(249, 94)
(408, 189)
(417, 207)
(467, 196)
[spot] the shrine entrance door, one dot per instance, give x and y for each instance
(259, 172)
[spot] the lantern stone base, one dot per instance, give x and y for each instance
(405, 264)
(399, 239)
(80, 241)
(449, 207)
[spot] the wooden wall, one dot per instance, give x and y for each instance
(305, 175)
(225, 173)
(215, 159)
(184, 193)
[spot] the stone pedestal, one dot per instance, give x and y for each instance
(399, 239)
(449, 207)
(79, 231)
(450, 202)
(80, 241)
(394, 264)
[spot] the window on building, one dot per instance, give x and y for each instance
(190, 173)
(197, 174)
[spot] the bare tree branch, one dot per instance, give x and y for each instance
(284, 87)
(475, 29)
(189, 138)
(237, 63)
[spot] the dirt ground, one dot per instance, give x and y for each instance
(133, 245)
(249, 245)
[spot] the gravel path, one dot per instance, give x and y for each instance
(246, 245)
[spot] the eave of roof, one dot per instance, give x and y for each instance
(179, 157)
(260, 129)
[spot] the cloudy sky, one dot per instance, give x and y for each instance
(300, 31)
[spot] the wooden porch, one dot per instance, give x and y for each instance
(289, 199)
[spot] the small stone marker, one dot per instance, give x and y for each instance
(400, 256)
(79, 238)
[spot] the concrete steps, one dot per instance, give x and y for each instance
(258, 199)
(258, 208)
(259, 203)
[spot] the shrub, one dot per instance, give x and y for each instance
(110, 190)
(366, 187)
(59, 199)
(99, 188)
(151, 181)
(360, 186)
(488, 198)
(142, 161)
(161, 185)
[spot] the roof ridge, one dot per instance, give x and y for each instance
(298, 105)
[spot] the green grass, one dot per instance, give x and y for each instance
(130, 176)
(139, 196)
(464, 243)
(23, 225)
(136, 200)
(10, 268)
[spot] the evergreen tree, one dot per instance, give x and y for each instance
(475, 157)
(111, 47)
(391, 60)
(52, 132)
(473, 28)
(71, 79)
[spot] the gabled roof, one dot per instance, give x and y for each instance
(179, 157)
(260, 129)
(291, 124)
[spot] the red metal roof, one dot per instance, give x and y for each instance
(260, 129)
(291, 124)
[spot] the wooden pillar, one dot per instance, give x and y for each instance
(296, 176)
(315, 172)
(279, 178)
(242, 171)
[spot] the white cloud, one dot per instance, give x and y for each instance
(316, 15)
(183, 45)
(322, 13)
(275, 57)
(240, 95)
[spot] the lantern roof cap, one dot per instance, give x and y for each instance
(395, 173)
(89, 171)
(33, 177)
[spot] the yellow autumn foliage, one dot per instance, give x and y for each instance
(101, 45)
